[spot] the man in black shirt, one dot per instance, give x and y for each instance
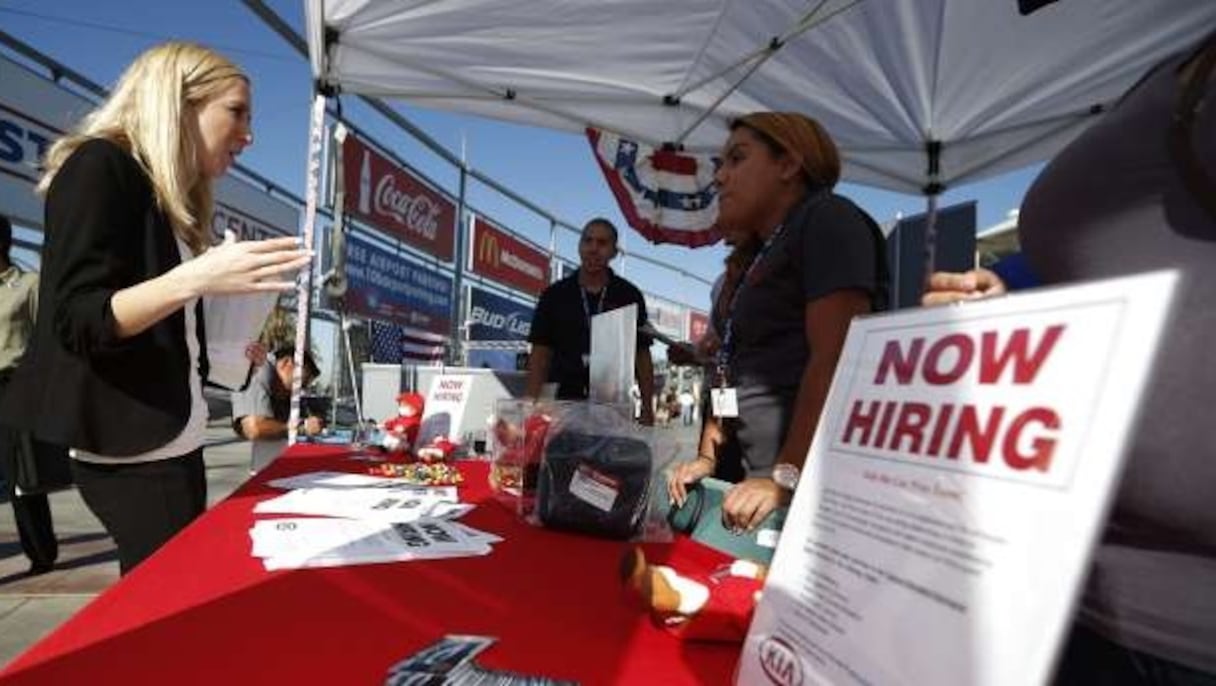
(561, 325)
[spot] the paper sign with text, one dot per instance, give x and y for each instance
(444, 410)
(958, 480)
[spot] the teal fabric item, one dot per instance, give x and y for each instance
(701, 519)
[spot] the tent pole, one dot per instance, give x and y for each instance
(930, 237)
(933, 188)
(304, 281)
(463, 227)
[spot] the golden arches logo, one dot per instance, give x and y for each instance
(487, 249)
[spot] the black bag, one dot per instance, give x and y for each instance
(40, 467)
(594, 484)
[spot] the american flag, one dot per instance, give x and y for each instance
(394, 344)
(668, 196)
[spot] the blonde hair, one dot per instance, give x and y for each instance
(147, 114)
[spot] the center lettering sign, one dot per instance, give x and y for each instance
(495, 318)
(382, 285)
(390, 198)
(500, 256)
(959, 477)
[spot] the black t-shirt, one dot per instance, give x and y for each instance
(562, 324)
(827, 244)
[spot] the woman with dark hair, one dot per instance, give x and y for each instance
(821, 262)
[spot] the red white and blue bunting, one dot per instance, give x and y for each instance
(668, 196)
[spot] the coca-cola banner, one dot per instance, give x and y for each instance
(698, 325)
(495, 318)
(387, 287)
(388, 197)
(500, 256)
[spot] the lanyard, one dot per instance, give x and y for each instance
(726, 350)
(599, 308)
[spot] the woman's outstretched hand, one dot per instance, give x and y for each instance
(234, 267)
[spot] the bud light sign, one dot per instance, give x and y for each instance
(495, 318)
(383, 194)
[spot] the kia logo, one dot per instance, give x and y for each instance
(780, 662)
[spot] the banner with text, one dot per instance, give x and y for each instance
(959, 478)
(392, 199)
(495, 318)
(496, 254)
(386, 286)
(34, 111)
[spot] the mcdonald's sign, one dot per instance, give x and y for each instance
(497, 255)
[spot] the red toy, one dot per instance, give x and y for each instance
(401, 431)
(517, 448)
(715, 605)
(440, 449)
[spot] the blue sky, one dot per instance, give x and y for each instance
(554, 170)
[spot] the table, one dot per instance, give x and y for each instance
(202, 610)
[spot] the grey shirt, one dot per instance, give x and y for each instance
(18, 306)
(264, 397)
(827, 244)
(1112, 204)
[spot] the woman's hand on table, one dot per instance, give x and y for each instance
(747, 503)
(685, 473)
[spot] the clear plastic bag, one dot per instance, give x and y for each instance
(517, 435)
(596, 474)
(583, 467)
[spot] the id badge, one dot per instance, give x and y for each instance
(724, 402)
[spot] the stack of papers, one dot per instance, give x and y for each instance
(336, 480)
(393, 504)
(369, 519)
(298, 543)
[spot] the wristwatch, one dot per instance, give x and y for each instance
(786, 475)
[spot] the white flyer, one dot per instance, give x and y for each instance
(395, 504)
(958, 481)
(296, 543)
(233, 322)
(445, 404)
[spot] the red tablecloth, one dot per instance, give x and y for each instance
(202, 610)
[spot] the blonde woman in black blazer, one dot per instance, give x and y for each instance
(118, 356)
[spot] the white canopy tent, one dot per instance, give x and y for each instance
(919, 94)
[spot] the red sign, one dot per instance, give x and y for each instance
(388, 197)
(500, 256)
(698, 325)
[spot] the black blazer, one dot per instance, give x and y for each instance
(79, 385)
